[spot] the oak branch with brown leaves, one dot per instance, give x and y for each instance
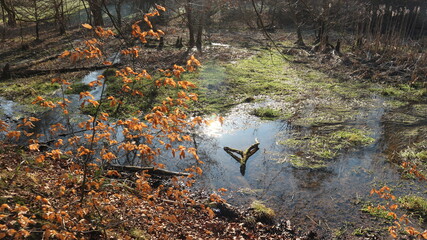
(91, 197)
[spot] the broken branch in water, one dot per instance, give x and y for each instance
(244, 155)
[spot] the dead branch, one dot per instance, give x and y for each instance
(150, 170)
(244, 155)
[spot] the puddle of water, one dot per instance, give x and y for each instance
(327, 195)
(93, 76)
(8, 109)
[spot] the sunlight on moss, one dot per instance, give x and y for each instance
(377, 212)
(266, 113)
(305, 163)
(327, 146)
(262, 213)
(415, 204)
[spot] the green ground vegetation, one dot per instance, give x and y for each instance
(416, 155)
(262, 213)
(320, 147)
(266, 113)
(377, 212)
(306, 163)
(25, 90)
(416, 204)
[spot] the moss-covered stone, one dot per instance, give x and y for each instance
(262, 213)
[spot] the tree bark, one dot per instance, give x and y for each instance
(153, 170)
(36, 17)
(11, 14)
(300, 41)
(190, 24)
(200, 32)
(119, 13)
(27, 73)
(95, 7)
(59, 16)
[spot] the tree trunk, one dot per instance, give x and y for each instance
(36, 17)
(119, 13)
(190, 24)
(6, 72)
(300, 41)
(3, 37)
(11, 15)
(59, 16)
(95, 7)
(200, 33)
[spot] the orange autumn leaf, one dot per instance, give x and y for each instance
(393, 207)
(392, 214)
(160, 8)
(221, 120)
(38, 99)
(14, 134)
(113, 173)
(87, 26)
(199, 170)
(34, 147)
(392, 232)
(64, 54)
(40, 159)
(210, 213)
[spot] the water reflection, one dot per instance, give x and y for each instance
(323, 197)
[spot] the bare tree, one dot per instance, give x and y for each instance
(95, 7)
(7, 5)
(58, 6)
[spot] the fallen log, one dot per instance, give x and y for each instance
(244, 155)
(35, 72)
(152, 170)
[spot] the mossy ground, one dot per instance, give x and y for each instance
(416, 155)
(262, 213)
(266, 113)
(377, 212)
(315, 150)
(415, 204)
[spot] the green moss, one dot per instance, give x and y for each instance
(266, 113)
(361, 231)
(352, 137)
(77, 88)
(415, 204)
(377, 212)
(306, 163)
(25, 90)
(262, 213)
(404, 92)
(139, 234)
(327, 146)
(416, 155)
